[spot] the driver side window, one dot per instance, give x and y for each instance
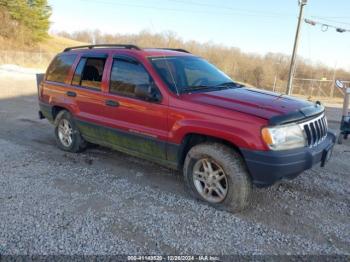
(126, 75)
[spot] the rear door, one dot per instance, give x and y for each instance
(86, 89)
(136, 125)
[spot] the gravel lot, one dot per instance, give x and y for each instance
(105, 202)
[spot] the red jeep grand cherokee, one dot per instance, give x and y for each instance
(177, 109)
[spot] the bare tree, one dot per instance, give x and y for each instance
(258, 74)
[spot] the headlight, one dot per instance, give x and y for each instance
(284, 137)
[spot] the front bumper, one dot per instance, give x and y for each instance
(267, 167)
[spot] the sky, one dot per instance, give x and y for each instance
(254, 26)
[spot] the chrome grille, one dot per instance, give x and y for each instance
(315, 130)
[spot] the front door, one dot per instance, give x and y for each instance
(135, 124)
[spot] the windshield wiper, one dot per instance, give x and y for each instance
(225, 85)
(229, 85)
(194, 88)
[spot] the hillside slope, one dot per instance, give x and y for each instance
(52, 44)
(38, 56)
(56, 44)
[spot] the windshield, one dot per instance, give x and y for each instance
(187, 73)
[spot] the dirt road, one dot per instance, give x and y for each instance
(104, 202)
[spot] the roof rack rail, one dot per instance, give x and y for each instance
(175, 49)
(106, 45)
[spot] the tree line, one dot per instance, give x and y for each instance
(24, 21)
(263, 71)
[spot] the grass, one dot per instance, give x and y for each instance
(38, 56)
(53, 44)
(56, 44)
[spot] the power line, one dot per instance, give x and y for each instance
(230, 8)
(332, 17)
(331, 20)
(241, 13)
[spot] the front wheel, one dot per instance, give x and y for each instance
(216, 174)
(67, 134)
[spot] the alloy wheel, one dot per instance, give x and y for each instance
(210, 180)
(65, 133)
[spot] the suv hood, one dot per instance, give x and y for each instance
(264, 104)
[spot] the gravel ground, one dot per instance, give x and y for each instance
(105, 202)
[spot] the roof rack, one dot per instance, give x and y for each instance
(106, 45)
(175, 49)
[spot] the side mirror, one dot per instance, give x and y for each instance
(148, 92)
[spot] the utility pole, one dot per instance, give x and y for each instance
(333, 82)
(302, 3)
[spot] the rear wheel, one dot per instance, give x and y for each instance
(216, 174)
(68, 137)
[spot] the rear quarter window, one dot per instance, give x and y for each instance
(60, 67)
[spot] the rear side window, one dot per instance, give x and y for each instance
(126, 75)
(60, 67)
(89, 73)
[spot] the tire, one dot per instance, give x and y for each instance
(76, 143)
(225, 161)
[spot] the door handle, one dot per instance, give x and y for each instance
(71, 94)
(112, 103)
